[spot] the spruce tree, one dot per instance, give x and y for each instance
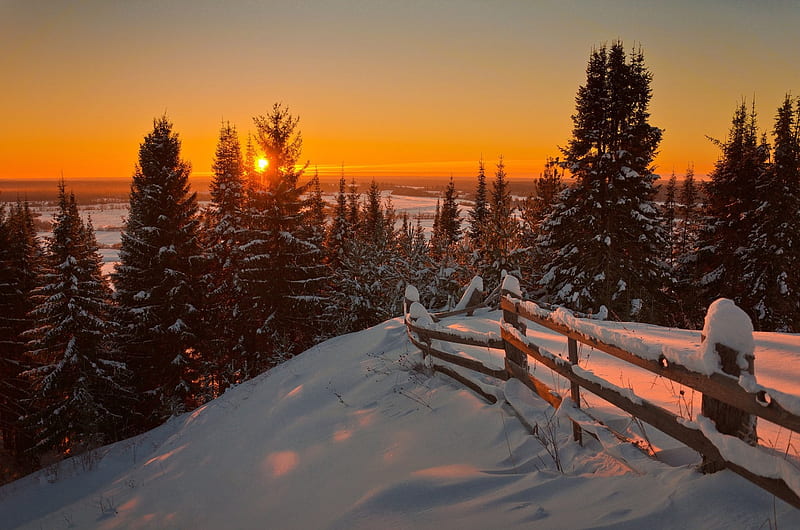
(772, 255)
(606, 235)
(222, 235)
(79, 398)
(282, 273)
(20, 273)
(157, 278)
(479, 214)
(446, 261)
(339, 230)
(500, 250)
(669, 210)
(729, 218)
(688, 208)
(685, 253)
(535, 209)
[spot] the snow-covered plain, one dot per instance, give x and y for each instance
(108, 220)
(352, 434)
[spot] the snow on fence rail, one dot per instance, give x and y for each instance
(722, 371)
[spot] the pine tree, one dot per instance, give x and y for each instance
(222, 235)
(79, 398)
(159, 312)
(731, 202)
(605, 234)
(772, 255)
(20, 273)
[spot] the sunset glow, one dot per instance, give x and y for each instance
(262, 164)
(387, 89)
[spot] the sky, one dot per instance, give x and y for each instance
(383, 88)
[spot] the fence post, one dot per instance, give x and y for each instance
(728, 336)
(574, 388)
(513, 354)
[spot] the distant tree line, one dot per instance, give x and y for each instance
(204, 299)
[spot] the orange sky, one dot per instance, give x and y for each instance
(388, 88)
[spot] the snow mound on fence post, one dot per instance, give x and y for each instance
(411, 293)
(419, 315)
(511, 284)
(475, 285)
(730, 326)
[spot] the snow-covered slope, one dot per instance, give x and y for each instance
(351, 434)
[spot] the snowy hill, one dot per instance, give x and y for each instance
(351, 434)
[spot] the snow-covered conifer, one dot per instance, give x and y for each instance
(222, 234)
(157, 279)
(772, 255)
(732, 199)
(605, 234)
(20, 273)
(79, 398)
(282, 272)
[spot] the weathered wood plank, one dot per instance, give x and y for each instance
(470, 364)
(659, 418)
(448, 337)
(719, 386)
(466, 382)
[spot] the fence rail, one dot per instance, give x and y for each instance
(728, 404)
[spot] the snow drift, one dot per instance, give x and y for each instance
(355, 434)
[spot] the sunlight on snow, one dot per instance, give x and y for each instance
(451, 471)
(280, 463)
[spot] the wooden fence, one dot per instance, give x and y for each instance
(729, 405)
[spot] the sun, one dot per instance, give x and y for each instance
(262, 164)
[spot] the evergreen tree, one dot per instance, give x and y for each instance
(688, 207)
(372, 217)
(339, 231)
(669, 217)
(446, 268)
(79, 398)
(367, 285)
(501, 250)
(222, 236)
(606, 234)
(685, 262)
(156, 279)
(772, 255)
(450, 218)
(533, 212)
(353, 207)
(479, 214)
(282, 274)
(20, 274)
(731, 202)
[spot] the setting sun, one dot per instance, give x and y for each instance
(262, 164)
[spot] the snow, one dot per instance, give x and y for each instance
(730, 326)
(475, 285)
(411, 293)
(736, 451)
(511, 284)
(351, 435)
